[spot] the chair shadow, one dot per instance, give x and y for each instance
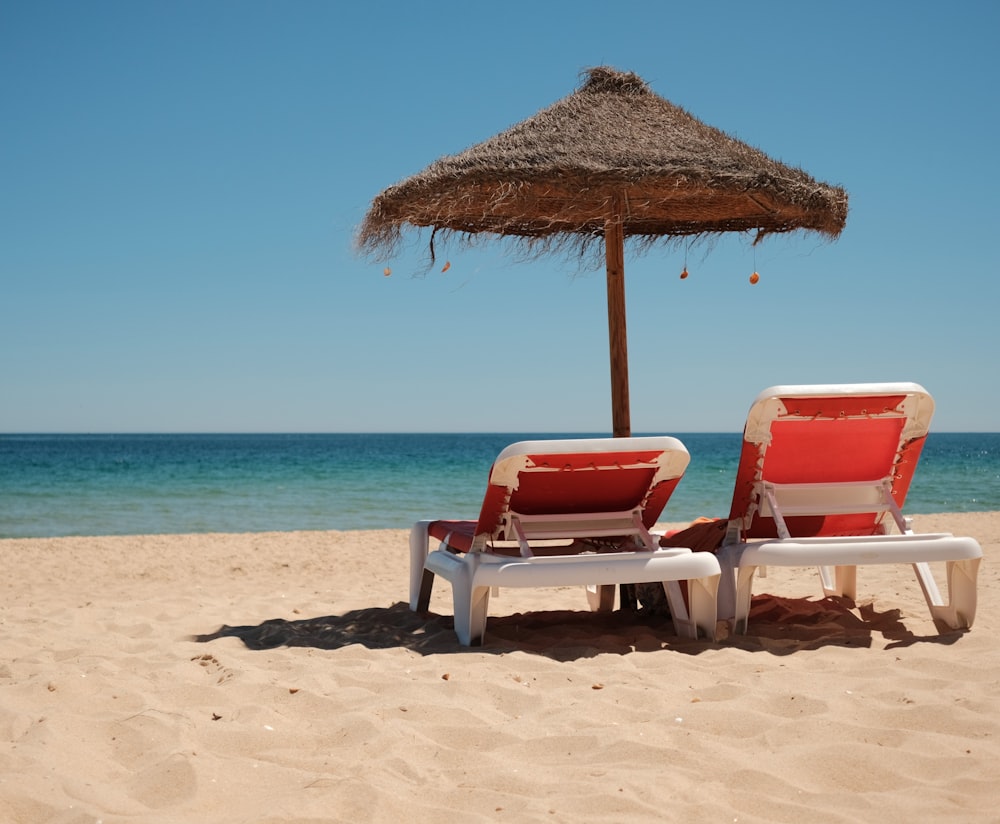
(785, 625)
(780, 626)
(559, 634)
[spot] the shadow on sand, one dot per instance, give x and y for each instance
(777, 625)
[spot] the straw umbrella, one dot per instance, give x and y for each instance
(611, 161)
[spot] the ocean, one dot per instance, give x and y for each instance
(59, 485)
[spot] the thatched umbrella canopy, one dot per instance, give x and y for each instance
(611, 161)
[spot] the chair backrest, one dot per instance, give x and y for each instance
(580, 477)
(824, 436)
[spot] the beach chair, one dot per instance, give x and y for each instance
(822, 477)
(565, 512)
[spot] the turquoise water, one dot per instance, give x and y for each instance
(53, 485)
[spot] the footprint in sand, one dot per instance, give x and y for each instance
(212, 665)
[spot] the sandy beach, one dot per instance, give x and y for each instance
(280, 677)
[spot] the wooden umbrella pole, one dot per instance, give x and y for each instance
(614, 244)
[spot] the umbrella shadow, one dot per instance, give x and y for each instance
(373, 627)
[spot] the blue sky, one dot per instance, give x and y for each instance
(180, 184)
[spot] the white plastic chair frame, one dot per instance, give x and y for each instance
(474, 574)
(838, 558)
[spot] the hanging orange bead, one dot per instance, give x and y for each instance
(754, 277)
(684, 274)
(447, 266)
(387, 271)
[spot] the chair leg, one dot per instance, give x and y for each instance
(694, 606)
(842, 583)
(728, 556)
(420, 586)
(960, 610)
(470, 606)
(679, 612)
(744, 591)
(424, 597)
(703, 607)
(601, 597)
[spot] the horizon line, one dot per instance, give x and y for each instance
(249, 432)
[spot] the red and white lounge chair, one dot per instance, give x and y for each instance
(550, 511)
(823, 474)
